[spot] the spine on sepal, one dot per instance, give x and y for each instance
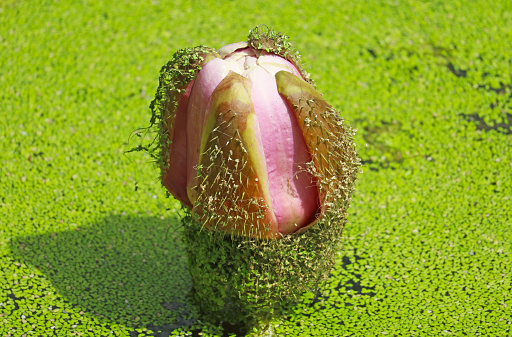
(231, 191)
(175, 77)
(329, 140)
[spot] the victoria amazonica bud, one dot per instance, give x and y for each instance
(261, 160)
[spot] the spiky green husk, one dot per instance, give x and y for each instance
(174, 78)
(243, 280)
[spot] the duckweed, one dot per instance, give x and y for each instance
(90, 245)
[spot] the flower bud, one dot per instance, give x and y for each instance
(246, 141)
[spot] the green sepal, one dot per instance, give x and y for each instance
(335, 163)
(232, 191)
(174, 78)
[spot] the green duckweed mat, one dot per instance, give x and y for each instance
(91, 246)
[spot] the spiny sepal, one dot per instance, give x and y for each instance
(174, 78)
(335, 163)
(231, 194)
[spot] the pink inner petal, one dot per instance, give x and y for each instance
(175, 178)
(230, 48)
(292, 190)
(273, 64)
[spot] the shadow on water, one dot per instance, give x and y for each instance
(129, 270)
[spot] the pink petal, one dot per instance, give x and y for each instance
(273, 63)
(175, 178)
(245, 58)
(292, 190)
(230, 48)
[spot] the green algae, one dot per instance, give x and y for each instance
(427, 246)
